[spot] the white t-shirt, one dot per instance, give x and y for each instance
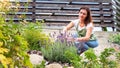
(76, 24)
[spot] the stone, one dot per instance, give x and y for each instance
(54, 65)
(36, 59)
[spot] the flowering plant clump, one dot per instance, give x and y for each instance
(63, 37)
(56, 51)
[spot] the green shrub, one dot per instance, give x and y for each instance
(55, 52)
(13, 46)
(115, 38)
(73, 59)
(118, 56)
(92, 61)
(36, 39)
(105, 63)
(17, 46)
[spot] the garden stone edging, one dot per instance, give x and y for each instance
(36, 59)
(53, 65)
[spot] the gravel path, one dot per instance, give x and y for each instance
(103, 38)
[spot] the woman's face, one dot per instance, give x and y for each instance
(82, 14)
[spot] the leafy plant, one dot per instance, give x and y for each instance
(118, 56)
(115, 38)
(73, 59)
(92, 60)
(13, 46)
(34, 36)
(105, 63)
(16, 45)
(3, 59)
(104, 29)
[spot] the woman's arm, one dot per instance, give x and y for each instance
(68, 27)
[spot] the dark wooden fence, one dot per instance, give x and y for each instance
(116, 8)
(61, 13)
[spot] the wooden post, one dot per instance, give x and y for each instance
(101, 17)
(33, 11)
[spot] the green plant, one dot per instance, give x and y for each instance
(13, 45)
(3, 59)
(115, 38)
(105, 63)
(34, 35)
(42, 65)
(112, 64)
(55, 52)
(16, 45)
(73, 59)
(118, 56)
(104, 28)
(15, 37)
(92, 60)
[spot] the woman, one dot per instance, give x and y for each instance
(84, 38)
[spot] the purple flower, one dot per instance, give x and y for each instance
(63, 37)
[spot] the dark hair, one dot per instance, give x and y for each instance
(88, 19)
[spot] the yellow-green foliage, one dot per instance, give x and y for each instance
(4, 5)
(35, 39)
(3, 59)
(13, 46)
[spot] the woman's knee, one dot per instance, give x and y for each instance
(92, 44)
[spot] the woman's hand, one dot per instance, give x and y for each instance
(87, 36)
(64, 30)
(70, 39)
(68, 27)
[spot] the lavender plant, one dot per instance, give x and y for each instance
(55, 52)
(63, 37)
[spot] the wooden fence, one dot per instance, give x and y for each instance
(61, 13)
(116, 8)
